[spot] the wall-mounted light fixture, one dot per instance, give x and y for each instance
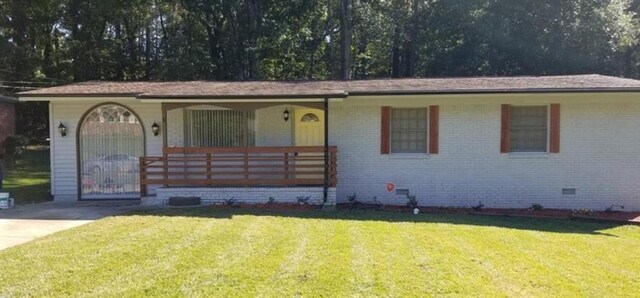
(62, 130)
(285, 115)
(155, 129)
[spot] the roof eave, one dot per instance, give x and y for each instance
(493, 91)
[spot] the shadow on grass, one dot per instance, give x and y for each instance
(571, 226)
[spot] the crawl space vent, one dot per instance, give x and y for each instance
(569, 191)
(402, 191)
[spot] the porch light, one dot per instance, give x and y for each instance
(155, 128)
(62, 130)
(286, 115)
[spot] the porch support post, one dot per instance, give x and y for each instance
(326, 150)
(165, 163)
(164, 125)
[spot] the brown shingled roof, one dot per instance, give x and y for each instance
(295, 89)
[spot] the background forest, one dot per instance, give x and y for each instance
(52, 42)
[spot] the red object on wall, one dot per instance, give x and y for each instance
(390, 186)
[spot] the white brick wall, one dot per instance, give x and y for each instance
(247, 195)
(599, 155)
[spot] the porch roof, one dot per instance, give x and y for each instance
(339, 89)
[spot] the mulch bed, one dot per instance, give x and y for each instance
(614, 216)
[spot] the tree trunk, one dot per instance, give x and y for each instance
(395, 54)
(119, 75)
(345, 31)
(253, 15)
(147, 51)
(410, 46)
(362, 64)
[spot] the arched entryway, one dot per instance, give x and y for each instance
(110, 142)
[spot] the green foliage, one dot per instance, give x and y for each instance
(230, 201)
(52, 42)
(302, 200)
(478, 207)
(536, 207)
(14, 146)
(412, 201)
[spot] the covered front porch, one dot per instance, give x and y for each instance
(251, 152)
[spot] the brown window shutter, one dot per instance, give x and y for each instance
(434, 127)
(505, 132)
(385, 134)
(554, 129)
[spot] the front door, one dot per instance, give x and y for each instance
(309, 131)
(309, 127)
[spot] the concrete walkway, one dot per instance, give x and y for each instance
(27, 222)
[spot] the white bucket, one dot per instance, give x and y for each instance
(4, 200)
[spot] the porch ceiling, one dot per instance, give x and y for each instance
(242, 106)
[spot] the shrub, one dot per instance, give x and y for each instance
(478, 207)
(353, 200)
(379, 205)
(303, 200)
(412, 201)
(230, 201)
(536, 207)
(612, 207)
(271, 200)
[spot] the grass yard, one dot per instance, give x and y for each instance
(29, 182)
(251, 252)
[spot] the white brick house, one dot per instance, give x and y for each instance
(563, 142)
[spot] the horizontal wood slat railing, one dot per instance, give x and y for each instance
(238, 166)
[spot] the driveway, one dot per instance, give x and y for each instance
(25, 223)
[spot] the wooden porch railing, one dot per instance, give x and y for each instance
(241, 166)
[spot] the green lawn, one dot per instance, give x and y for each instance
(29, 181)
(248, 252)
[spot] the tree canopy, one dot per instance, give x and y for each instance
(50, 42)
(57, 41)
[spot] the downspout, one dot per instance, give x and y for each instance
(326, 151)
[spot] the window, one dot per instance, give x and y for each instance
(219, 128)
(310, 117)
(409, 130)
(529, 129)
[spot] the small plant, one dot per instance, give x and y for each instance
(353, 200)
(412, 201)
(478, 207)
(271, 200)
(230, 201)
(536, 207)
(303, 200)
(612, 208)
(587, 212)
(379, 205)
